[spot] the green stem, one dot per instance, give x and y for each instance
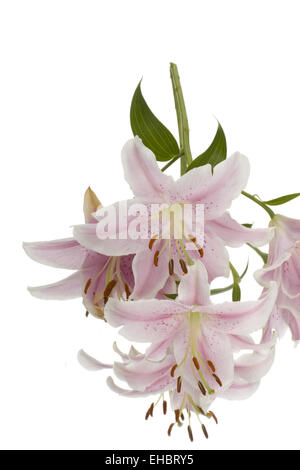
(260, 203)
(264, 256)
(174, 159)
(183, 126)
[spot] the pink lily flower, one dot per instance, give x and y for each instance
(157, 258)
(192, 343)
(97, 276)
(193, 340)
(283, 266)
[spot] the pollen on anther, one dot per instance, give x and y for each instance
(171, 267)
(109, 288)
(152, 241)
(200, 410)
(179, 382)
(173, 370)
(196, 363)
(201, 386)
(190, 433)
(217, 380)
(212, 414)
(204, 431)
(201, 252)
(155, 259)
(127, 291)
(164, 407)
(170, 429)
(211, 365)
(177, 415)
(183, 266)
(150, 411)
(87, 285)
(87, 313)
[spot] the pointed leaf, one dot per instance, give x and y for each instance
(216, 152)
(236, 293)
(281, 200)
(153, 133)
(227, 288)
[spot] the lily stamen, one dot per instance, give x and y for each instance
(87, 285)
(190, 433)
(173, 370)
(170, 429)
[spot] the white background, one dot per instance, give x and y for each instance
(68, 71)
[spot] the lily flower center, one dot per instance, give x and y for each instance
(114, 283)
(202, 369)
(176, 233)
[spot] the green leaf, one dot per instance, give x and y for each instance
(281, 200)
(216, 152)
(227, 288)
(236, 290)
(171, 296)
(247, 225)
(236, 293)
(152, 132)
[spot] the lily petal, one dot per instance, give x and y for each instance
(149, 279)
(65, 253)
(145, 320)
(194, 287)
(242, 317)
(68, 288)
(240, 390)
(215, 190)
(142, 172)
(90, 363)
(252, 367)
(141, 374)
(233, 234)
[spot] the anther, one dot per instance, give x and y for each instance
(182, 417)
(155, 259)
(171, 267)
(193, 239)
(170, 429)
(190, 433)
(127, 291)
(183, 266)
(196, 363)
(217, 380)
(152, 241)
(204, 431)
(87, 285)
(212, 414)
(201, 386)
(179, 384)
(150, 411)
(86, 313)
(173, 370)
(198, 408)
(109, 288)
(201, 252)
(210, 364)
(165, 407)
(177, 415)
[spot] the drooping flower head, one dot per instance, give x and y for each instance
(192, 343)
(283, 266)
(97, 276)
